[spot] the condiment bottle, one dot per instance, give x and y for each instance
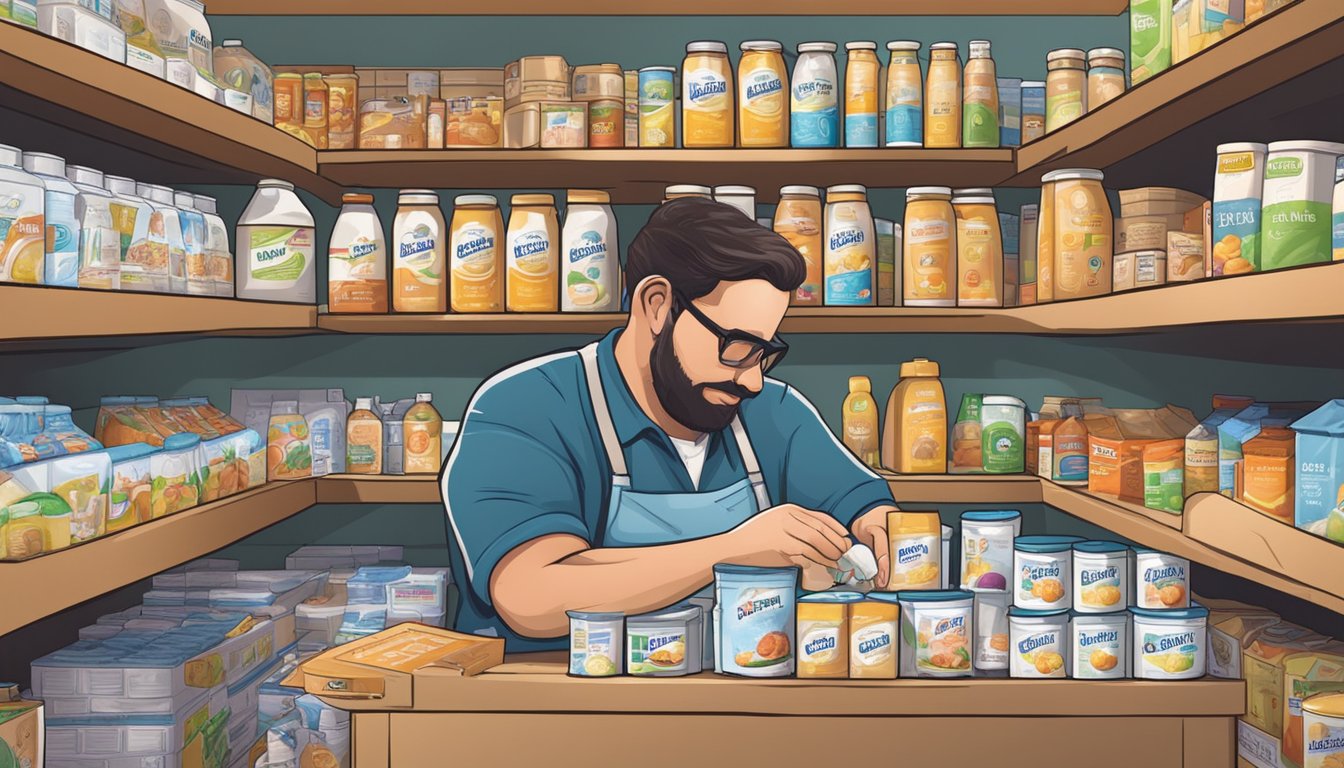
(980, 111)
(929, 247)
(914, 438)
(798, 219)
(1065, 87)
(859, 422)
(357, 259)
(269, 245)
(942, 100)
(422, 435)
(417, 267)
(1082, 235)
(364, 439)
(905, 96)
(477, 283)
(861, 78)
(532, 250)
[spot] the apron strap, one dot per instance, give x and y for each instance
(602, 415)
(750, 463)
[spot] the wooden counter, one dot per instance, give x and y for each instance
(528, 712)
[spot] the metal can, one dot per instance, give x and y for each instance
(657, 118)
(315, 109)
(606, 123)
(342, 103)
(289, 101)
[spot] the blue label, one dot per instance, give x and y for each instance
(1239, 219)
(1033, 101)
(1073, 467)
(850, 288)
(1338, 232)
(814, 129)
(61, 265)
(1010, 137)
(905, 123)
(860, 130)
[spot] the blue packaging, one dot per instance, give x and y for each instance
(755, 620)
(814, 110)
(1033, 110)
(1010, 112)
(1319, 492)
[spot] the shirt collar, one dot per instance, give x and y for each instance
(627, 417)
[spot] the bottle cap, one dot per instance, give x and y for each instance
(860, 384)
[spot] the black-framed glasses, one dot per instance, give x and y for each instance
(739, 349)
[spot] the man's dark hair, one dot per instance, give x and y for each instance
(696, 243)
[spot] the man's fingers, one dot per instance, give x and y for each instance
(820, 535)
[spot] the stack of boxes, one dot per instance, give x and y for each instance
(430, 109)
(1146, 253)
(539, 110)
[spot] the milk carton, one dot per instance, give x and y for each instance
(1319, 491)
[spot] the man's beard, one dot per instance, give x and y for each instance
(685, 400)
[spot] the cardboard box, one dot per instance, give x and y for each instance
(1116, 441)
(521, 75)
(1156, 208)
(1304, 675)
(1185, 257)
(1263, 666)
(522, 126)
(1258, 748)
(475, 123)
(471, 82)
(385, 665)
(1319, 495)
(1228, 637)
(1146, 233)
(22, 730)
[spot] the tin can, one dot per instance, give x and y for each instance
(656, 110)
(342, 103)
(289, 101)
(606, 123)
(315, 109)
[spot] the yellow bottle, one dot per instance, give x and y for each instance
(422, 435)
(532, 250)
(418, 253)
(914, 438)
(916, 541)
(707, 96)
(942, 101)
(859, 422)
(762, 100)
(477, 283)
(364, 440)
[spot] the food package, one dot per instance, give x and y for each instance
(1228, 636)
(1146, 233)
(471, 82)
(564, 125)
(1116, 441)
(522, 126)
(386, 665)
(1262, 666)
(22, 730)
(536, 78)
(1319, 494)
(393, 123)
(1265, 478)
(1185, 257)
(325, 410)
(33, 521)
(474, 123)
(966, 448)
(1304, 675)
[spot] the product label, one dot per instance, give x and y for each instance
(474, 251)
(1295, 232)
(1169, 654)
(585, 278)
(762, 105)
(1164, 488)
(1150, 38)
(916, 561)
(1101, 587)
(22, 235)
(63, 241)
(706, 90)
(417, 253)
(1163, 587)
(928, 245)
(980, 124)
(757, 631)
(871, 645)
(1236, 236)
(1002, 445)
(941, 641)
(814, 113)
(651, 651)
(279, 255)
(1041, 580)
(987, 556)
(656, 120)
(905, 121)
(1099, 652)
(819, 643)
(849, 266)
(593, 649)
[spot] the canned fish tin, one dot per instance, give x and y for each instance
(755, 610)
(823, 634)
(1043, 568)
(665, 643)
(1039, 643)
(657, 121)
(1170, 645)
(1099, 646)
(1100, 577)
(595, 643)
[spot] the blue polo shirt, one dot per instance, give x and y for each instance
(529, 462)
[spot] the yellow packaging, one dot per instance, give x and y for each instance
(859, 422)
(798, 219)
(707, 116)
(873, 626)
(474, 123)
(342, 104)
(532, 250)
(942, 99)
(979, 253)
(914, 436)
(928, 248)
(1305, 675)
(1082, 236)
(422, 434)
(476, 255)
(823, 635)
(762, 95)
(916, 540)
(1045, 241)
(1185, 257)
(1262, 664)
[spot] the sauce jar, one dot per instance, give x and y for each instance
(1065, 87)
(1105, 76)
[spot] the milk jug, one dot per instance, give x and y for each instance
(62, 250)
(22, 229)
(275, 246)
(590, 248)
(813, 106)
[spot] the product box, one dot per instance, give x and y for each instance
(1319, 494)
(1263, 666)
(1238, 430)
(474, 123)
(200, 724)
(1228, 636)
(325, 409)
(1138, 269)
(1185, 257)
(1156, 196)
(471, 82)
(536, 78)
(1146, 233)
(1116, 441)
(395, 122)
(1257, 747)
(1305, 675)
(22, 729)
(564, 125)
(522, 126)
(388, 665)
(1010, 111)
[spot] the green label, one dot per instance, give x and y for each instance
(1002, 448)
(979, 126)
(1149, 38)
(1164, 490)
(1295, 233)
(289, 269)
(360, 454)
(1283, 167)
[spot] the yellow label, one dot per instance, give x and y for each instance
(763, 100)
(1236, 162)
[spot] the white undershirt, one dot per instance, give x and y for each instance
(692, 454)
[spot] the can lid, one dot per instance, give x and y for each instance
(761, 45)
(861, 45)
(1034, 613)
(991, 516)
(918, 367)
(934, 595)
(1325, 704)
(860, 384)
(1147, 551)
(1070, 174)
(1065, 53)
(461, 200)
(903, 45)
(587, 196)
(1045, 544)
(356, 198)
(1105, 53)
(734, 189)
(816, 47)
(847, 189)
(800, 189)
(1172, 614)
(914, 191)
(706, 46)
(1328, 147)
(831, 597)
(682, 612)
(186, 440)
(1243, 146)
(532, 199)
(1100, 547)
(595, 616)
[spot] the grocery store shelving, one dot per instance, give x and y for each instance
(683, 8)
(378, 489)
(60, 98)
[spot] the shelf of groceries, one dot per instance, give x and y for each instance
(688, 8)
(587, 113)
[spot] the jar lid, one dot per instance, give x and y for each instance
(918, 367)
(532, 199)
(934, 595)
(861, 45)
(356, 198)
(93, 177)
(1034, 613)
(831, 597)
(974, 192)
(206, 204)
(734, 189)
(943, 47)
(461, 200)
(800, 189)
(1105, 53)
(1325, 704)
(231, 43)
(990, 516)
(1072, 174)
(903, 45)
(790, 571)
(1172, 614)
(1147, 551)
(706, 46)
(761, 45)
(595, 616)
(680, 612)
(847, 189)
(686, 189)
(657, 69)
(1045, 544)
(1100, 547)
(1065, 53)
(860, 384)
(1003, 400)
(1243, 146)
(817, 47)
(972, 201)
(914, 191)
(587, 196)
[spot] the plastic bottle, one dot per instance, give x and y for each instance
(1065, 87)
(61, 259)
(194, 234)
(814, 110)
(980, 109)
(929, 248)
(218, 254)
(942, 100)
(165, 221)
(914, 436)
(590, 253)
(418, 265)
(99, 243)
(364, 440)
(422, 434)
(707, 96)
(905, 95)
(357, 259)
(979, 252)
(798, 218)
(762, 101)
(289, 449)
(477, 255)
(275, 244)
(850, 261)
(532, 250)
(861, 76)
(144, 253)
(859, 422)
(22, 227)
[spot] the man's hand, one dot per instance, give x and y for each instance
(871, 528)
(790, 535)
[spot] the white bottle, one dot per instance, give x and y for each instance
(275, 246)
(218, 254)
(357, 258)
(592, 263)
(62, 226)
(199, 282)
(166, 220)
(22, 233)
(144, 251)
(814, 113)
(99, 242)
(850, 260)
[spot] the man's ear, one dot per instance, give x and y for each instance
(653, 297)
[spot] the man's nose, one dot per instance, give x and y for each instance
(752, 378)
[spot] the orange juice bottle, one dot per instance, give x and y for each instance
(478, 261)
(422, 433)
(417, 235)
(762, 101)
(532, 250)
(364, 439)
(798, 219)
(929, 248)
(914, 436)
(942, 102)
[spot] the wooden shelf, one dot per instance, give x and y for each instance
(41, 312)
(59, 98)
(378, 489)
(1169, 126)
(685, 8)
(964, 489)
(639, 175)
(1308, 294)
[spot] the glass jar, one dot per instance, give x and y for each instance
(1105, 75)
(1065, 87)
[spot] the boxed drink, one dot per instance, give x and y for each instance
(1319, 495)
(1116, 444)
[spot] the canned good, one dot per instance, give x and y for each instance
(1170, 645)
(595, 641)
(606, 123)
(1040, 643)
(1099, 646)
(665, 643)
(657, 122)
(1043, 565)
(936, 633)
(1100, 576)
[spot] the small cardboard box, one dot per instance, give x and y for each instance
(22, 730)
(385, 665)
(1258, 748)
(1228, 636)
(1116, 441)
(1320, 471)
(1159, 194)
(1147, 233)
(1185, 257)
